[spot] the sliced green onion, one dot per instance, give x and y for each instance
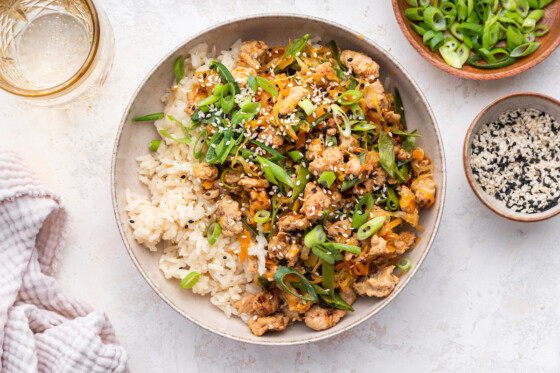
(437, 41)
(252, 83)
(307, 106)
(514, 37)
(213, 232)
(525, 49)
(302, 178)
(269, 149)
(189, 280)
(475, 59)
(183, 140)
(522, 7)
(227, 98)
(409, 141)
(360, 216)
(283, 272)
(349, 97)
(387, 154)
(296, 155)
(273, 218)
(392, 200)
(324, 254)
(455, 58)
(246, 113)
(414, 14)
(403, 267)
(339, 113)
(336, 54)
(293, 49)
(341, 246)
(225, 75)
(357, 112)
(179, 69)
(154, 145)
(418, 29)
(185, 132)
(530, 37)
(249, 227)
(274, 173)
(371, 227)
(330, 141)
(148, 117)
(218, 145)
(327, 179)
(267, 86)
(530, 22)
(399, 107)
(223, 181)
(336, 301)
(347, 184)
(327, 272)
(471, 29)
(434, 18)
(541, 30)
(262, 216)
(462, 9)
(198, 148)
(315, 236)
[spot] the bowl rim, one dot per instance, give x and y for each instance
(441, 192)
(428, 56)
(526, 218)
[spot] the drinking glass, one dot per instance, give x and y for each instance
(54, 52)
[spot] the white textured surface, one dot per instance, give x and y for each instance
(484, 300)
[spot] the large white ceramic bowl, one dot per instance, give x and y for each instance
(131, 142)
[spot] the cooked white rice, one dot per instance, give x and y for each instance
(176, 215)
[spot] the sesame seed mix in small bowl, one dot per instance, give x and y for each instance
(511, 156)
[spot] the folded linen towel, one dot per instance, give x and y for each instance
(41, 329)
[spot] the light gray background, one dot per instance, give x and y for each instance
(484, 300)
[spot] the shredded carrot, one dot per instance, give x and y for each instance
(428, 195)
(244, 239)
(391, 248)
(418, 153)
(267, 226)
(394, 223)
(361, 269)
(208, 184)
(391, 236)
(300, 140)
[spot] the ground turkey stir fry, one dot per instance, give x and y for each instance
(304, 147)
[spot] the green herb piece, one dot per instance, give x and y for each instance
(179, 68)
(149, 117)
(282, 272)
(370, 228)
(360, 216)
(189, 280)
(213, 232)
(262, 216)
(154, 145)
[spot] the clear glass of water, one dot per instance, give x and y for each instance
(54, 52)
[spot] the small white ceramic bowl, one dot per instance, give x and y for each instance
(131, 142)
(520, 100)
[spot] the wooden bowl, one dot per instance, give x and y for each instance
(549, 42)
(490, 113)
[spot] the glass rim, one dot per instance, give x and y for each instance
(74, 78)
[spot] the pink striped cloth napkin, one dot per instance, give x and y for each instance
(41, 329)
